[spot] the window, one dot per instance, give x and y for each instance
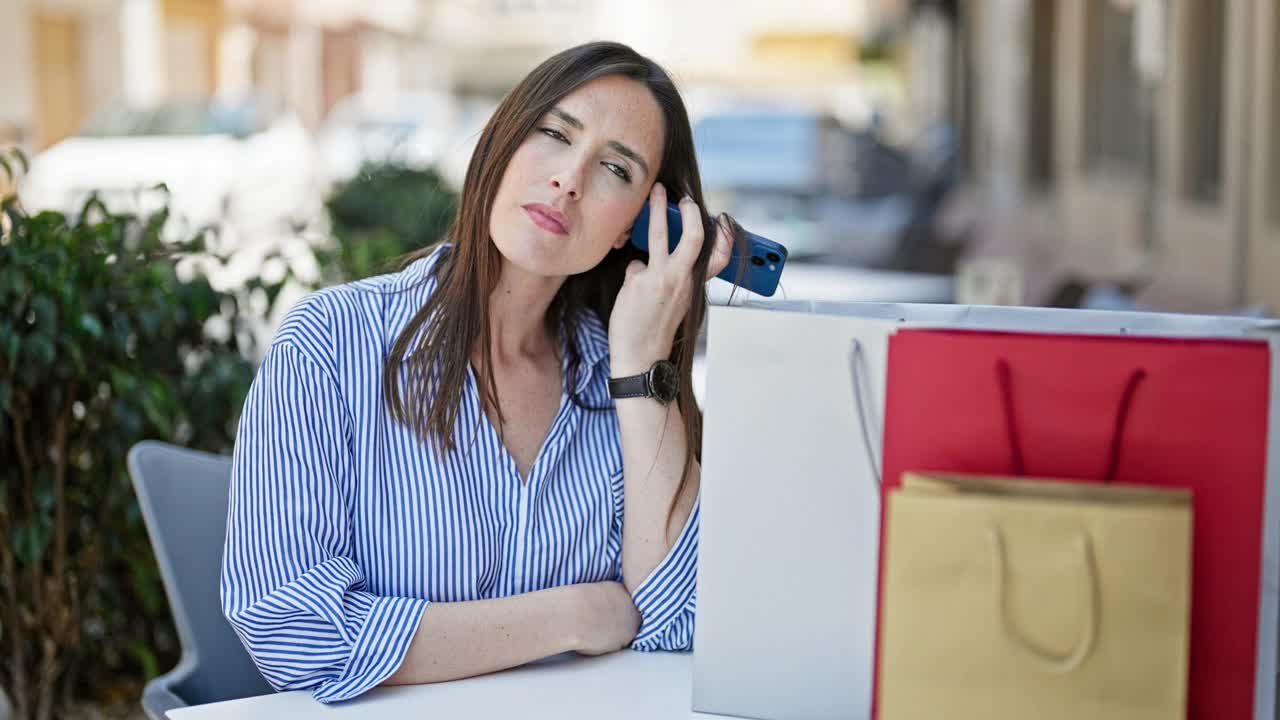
(1112, 138)
(1040, 155)
(1203, 101)
(964, 92)
(1273, 112)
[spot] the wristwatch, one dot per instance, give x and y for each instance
(661, 382)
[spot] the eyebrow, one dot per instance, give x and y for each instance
(622, 149)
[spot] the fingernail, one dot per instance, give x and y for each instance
(658, 189)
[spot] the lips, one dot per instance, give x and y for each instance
(547, 218)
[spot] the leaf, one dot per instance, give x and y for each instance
(91, 325)
(46, 312)
(72, 349)
(123, 383)
(32, 539)
(145, 583)
(92, 203)
(129, 422)
(201, 298)
(273, 292)
(154, 403)
(40, 349)
(11, 209)
(8, 169)
(43, 497)
(145, 658)
(21, 157)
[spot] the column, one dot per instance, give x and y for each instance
(142, 49)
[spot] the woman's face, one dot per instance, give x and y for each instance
(577, 182)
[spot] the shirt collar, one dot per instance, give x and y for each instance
(592, 344)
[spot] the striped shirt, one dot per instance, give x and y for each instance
(343, 525)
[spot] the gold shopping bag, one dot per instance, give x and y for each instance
(1015, 598)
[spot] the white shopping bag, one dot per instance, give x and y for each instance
(790, 516)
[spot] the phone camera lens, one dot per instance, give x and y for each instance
(774, 257)
(757, 261)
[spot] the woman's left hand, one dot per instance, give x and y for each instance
(654, 298)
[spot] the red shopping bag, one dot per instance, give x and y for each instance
(1178, 413)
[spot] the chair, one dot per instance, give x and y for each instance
(183, 496)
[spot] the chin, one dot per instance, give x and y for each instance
(537, 253)
(539, 256)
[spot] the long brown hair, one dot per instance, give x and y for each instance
(456, 315)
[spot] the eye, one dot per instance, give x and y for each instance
(618, 170)
(554, 134)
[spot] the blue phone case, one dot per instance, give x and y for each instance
(764, 263)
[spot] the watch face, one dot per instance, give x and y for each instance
(664, 379)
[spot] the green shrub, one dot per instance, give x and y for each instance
(108, 335)
(383, 213)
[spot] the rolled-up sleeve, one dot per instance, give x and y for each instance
(290, 586)
(666, 599)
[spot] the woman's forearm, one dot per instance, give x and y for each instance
(653, 452)
(464, 639)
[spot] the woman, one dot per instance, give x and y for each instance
(432, 477)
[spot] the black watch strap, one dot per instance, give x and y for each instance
(632, 386)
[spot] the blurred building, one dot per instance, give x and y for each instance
(308, 55)
(70, 57)
(759, 48)
(61, 59)
(66, 58)
(1128, 140)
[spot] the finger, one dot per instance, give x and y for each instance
(633, 268)
(692, 235)
(723, 249)
(658, 242)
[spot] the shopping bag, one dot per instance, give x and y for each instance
(1010, 598)
(1197, 420)
(790, 516)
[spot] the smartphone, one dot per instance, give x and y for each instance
(764, 260)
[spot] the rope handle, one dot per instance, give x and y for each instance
(857, 365)
(1005, 377)
(1047, 661)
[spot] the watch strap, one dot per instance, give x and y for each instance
(632, 386)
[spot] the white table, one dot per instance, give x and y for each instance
(625, 685)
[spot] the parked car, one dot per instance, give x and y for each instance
(238, 163)
(826, 192)
(777, 172)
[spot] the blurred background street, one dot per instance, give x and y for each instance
(1109, 154)
(1099, 152)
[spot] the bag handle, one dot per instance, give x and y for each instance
(1005, 377)
(1047, 661)
(857, 365)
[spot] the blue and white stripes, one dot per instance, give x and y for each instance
(342, 525)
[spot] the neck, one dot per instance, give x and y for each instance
(517, 315)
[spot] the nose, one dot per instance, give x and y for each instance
(569, 181)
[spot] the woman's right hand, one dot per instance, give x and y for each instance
(608, 619)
